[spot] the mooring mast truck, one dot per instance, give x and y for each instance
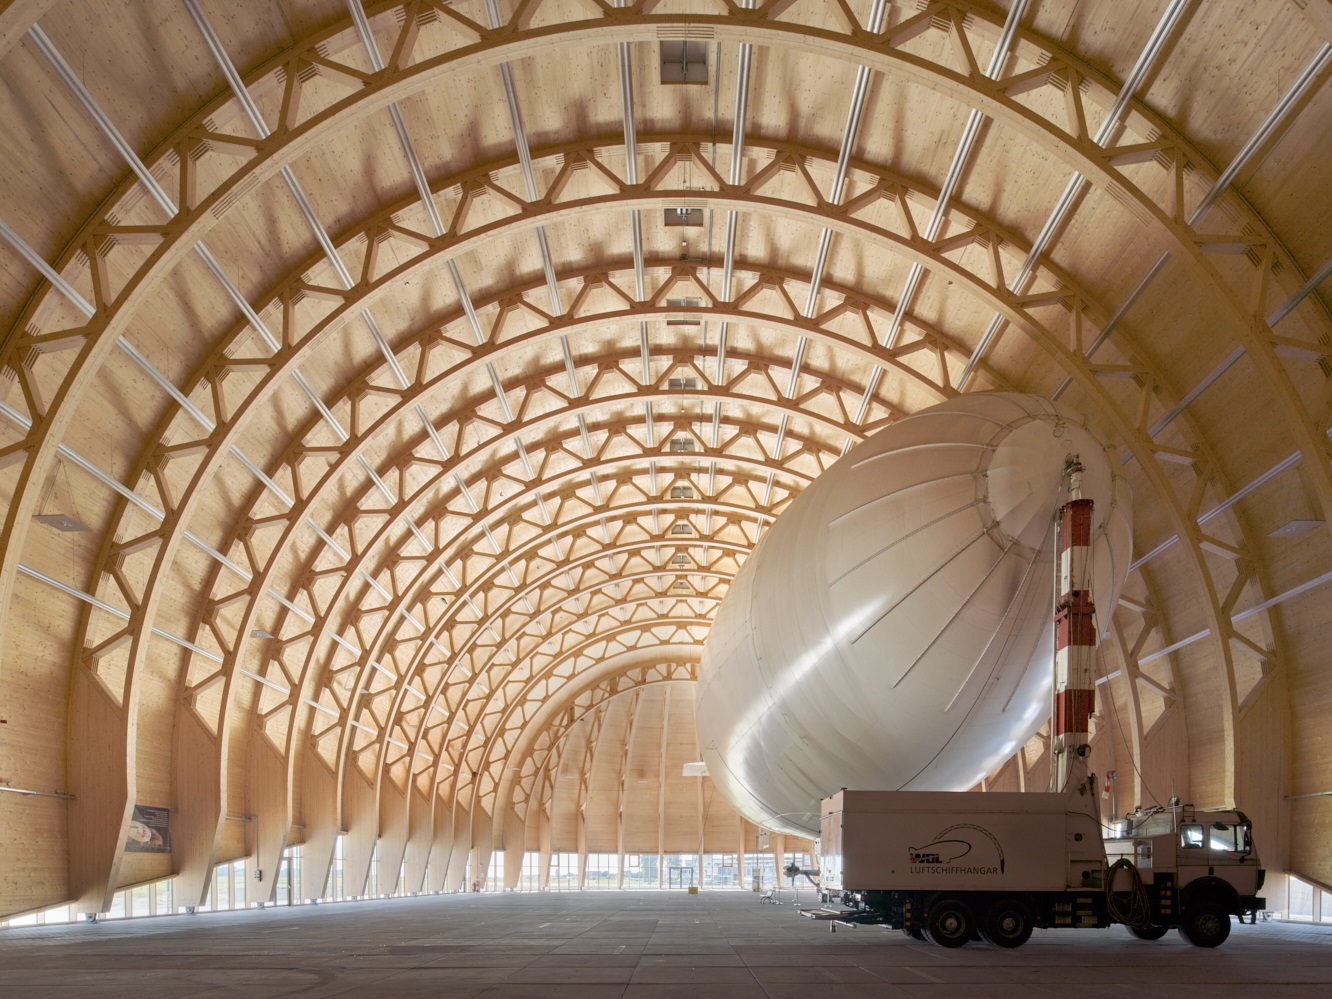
(954, 866)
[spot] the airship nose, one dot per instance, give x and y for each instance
(893, 628)
(1026, 474)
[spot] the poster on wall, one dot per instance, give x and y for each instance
(149, 830)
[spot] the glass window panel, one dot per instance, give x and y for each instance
(495, 872)
(564, 871)
(1301, 899)
(1227, 836)
(645, 873)
(222, 887)
(717, 873)
(530, 878)
(602, 871)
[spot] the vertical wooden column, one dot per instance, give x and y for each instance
(319, 813)
(661, 789)
(360, 819)
(441, 844)
(515, 844)
(698, 791)
(420, 839)
(631, 727)
(745, 826)
(483, 844)
(103, 781)
(200, 796)
(543, 849)
(270, 812)
(461, 850)
(392, 835)
(590, 755)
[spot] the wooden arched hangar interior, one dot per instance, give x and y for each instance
(391, 390)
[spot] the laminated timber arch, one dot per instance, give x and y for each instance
(517, 39)
(539, 745)
(428, 452)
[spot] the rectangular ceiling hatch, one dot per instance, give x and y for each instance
(682, 216)
(684, 62)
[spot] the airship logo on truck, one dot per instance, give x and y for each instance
(941, 851)
(949, 846)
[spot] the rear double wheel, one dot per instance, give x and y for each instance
(1007, 923)
(949, 923)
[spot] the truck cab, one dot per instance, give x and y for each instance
(1198, 869)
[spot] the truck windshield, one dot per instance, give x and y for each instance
(1230, 836)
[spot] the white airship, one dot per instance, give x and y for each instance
(893, 629)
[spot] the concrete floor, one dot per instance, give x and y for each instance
(636, 945)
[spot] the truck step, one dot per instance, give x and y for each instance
(827, 913)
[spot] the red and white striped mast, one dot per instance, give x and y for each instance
(1074, 633)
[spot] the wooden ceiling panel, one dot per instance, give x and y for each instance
(1228, 70)
(1279, 185)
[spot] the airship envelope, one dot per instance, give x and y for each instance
(893, 629)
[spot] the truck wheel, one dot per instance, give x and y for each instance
(1007, 924)
(1149, 932)
(1206, 924)
(949, 923)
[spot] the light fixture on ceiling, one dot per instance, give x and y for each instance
(1294, 528)
(66, 523)
(62, 522)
